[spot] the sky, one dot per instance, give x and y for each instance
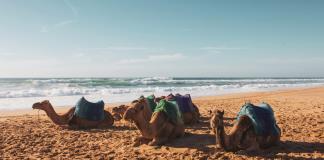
(165, 38)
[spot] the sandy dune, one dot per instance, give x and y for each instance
(299, 113)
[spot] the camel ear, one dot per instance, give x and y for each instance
(220, 112)
(142, 100)
(210, 112)
(45, 101)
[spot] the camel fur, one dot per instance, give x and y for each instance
(69, 119)
(156, 128)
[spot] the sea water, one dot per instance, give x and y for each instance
(20, 93)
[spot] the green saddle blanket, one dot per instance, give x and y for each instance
(262, 118)
(171, 109)
(151, 103)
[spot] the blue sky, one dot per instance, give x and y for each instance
(105, 38)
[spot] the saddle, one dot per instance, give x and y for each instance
(262, 118)
(171, 109)
(90, 111)
(184, 102)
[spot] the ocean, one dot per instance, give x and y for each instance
(21, 93)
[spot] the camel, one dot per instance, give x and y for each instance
(118, 112)
(156, 128)
(191, 117)
(242, 135)
(187, 117)
(70, 119)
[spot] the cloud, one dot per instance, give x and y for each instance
(220, 48)
(116, 48)
(81, 52)
(153, 58)
(45, 29)
(48, 28)
(6, 53)
(73, 9)
(63, 23)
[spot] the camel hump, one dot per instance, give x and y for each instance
(90, 111)
(184, 102)
(262, 118)
(171, 109)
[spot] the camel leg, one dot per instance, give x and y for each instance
(158, 141)
(163, 135)
(254, 145)
(178, 131)
(140, 140)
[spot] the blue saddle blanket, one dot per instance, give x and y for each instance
(89, 111)
(184, 102)
(262, 117)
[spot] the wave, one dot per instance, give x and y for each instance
(70, 90)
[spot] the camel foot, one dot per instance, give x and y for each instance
(253, 148)
(140, 140)
(158, 142)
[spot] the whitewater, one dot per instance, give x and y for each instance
(21, 93)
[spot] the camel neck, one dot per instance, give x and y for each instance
(143, 126)
(57, 119)
(220, 137)
(147, 113)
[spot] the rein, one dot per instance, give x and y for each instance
(38, 115)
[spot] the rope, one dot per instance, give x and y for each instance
(38, 115)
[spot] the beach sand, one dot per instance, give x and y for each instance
(299, 113)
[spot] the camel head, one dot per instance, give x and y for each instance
(216, 119)
(44, 105)
(136, 107)
(119, 111)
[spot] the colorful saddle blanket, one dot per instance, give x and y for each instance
(89, 111)
(171, 109)
(184, 102)
(262, 117)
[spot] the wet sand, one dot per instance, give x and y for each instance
(299, 112)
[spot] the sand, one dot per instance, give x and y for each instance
(299, 113)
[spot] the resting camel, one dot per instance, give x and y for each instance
(70, 119)
(156, 128)
(187, 117)
(191, 117)
(242, 135)
(118, 112)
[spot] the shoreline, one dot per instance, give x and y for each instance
(227, 96)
